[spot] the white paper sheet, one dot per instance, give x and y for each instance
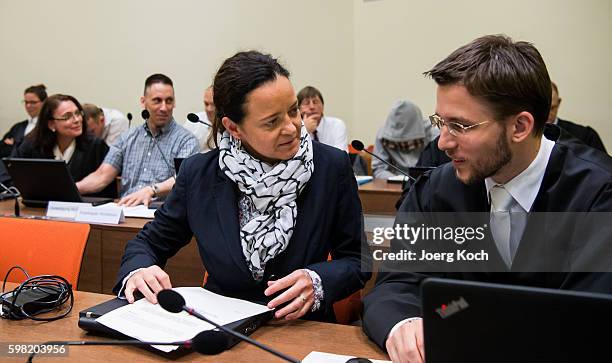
(322, 357)
(147, 322)
(139, 211)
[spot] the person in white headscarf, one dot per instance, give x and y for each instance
(401, 139)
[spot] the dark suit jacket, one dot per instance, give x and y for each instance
(86, 159)
(577, 179)
(583, 133)
(17, 132)
(204, 203)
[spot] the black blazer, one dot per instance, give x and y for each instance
(86, 159)
(583, 133)
(204, 203)
(577, 179)
(17, 133)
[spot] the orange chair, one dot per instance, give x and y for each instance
(367, 157)
(42, 248)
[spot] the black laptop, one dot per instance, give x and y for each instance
(483, 322)
(42, 180)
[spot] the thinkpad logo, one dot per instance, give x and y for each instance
(451, 308)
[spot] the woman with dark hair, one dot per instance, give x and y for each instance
(61, 134)
(267, 206)
(33, 97)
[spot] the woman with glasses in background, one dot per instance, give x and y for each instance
(61, 134)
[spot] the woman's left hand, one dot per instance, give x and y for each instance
(299, 295)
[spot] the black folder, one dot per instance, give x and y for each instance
(87, 321)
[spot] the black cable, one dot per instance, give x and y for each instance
(56, 287)
(15, 194)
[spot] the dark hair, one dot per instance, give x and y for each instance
(157, 78)
(39, 90)
(91, 111)
(309, 92)
(235, 79)
(509, 77)
(42, 137)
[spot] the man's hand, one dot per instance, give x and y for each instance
(311, 121)
(299, 289)
(149, 281)
(9, 141)
(406, 344)
(142, 196)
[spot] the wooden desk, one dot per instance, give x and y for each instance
(379, 196)
(296, 338)
(105, 247)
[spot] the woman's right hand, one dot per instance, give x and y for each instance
(149, 281)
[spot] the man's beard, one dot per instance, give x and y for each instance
(491, 164)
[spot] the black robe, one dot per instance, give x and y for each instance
(577, 179)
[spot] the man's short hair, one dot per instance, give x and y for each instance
(309, 92)
(92, 111)
(509, 77)
(157, 78)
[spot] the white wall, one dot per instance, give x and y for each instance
(363, 55)
(102, 51)
(397, 40)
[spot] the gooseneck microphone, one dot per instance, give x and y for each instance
(129, 117)
(192, 117)
(173, 302)
(200, 343)
(358, 145)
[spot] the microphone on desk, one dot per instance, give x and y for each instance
(192, 117)
(173, 302)
(201, 343)
(358, 145)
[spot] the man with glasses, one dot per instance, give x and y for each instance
(144, 156)
(325, 129)
(493, 99)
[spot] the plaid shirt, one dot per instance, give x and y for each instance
(140, 162)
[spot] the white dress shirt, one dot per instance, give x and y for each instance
(332, 131)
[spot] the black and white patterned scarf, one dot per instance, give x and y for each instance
(272, 191)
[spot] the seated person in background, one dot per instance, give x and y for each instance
(401, 139)
(491, 126)
(33, 98)
(266, 207)
(144, 156)
(326, 129)
(583, 133)
(61, 134)
(105, 123)
(200, 130)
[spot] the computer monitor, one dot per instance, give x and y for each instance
(482, 322)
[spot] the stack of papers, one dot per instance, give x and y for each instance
(139, 211)
(147, 322)
(321, 357)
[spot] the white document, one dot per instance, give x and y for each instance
(363, 179)
(147, 322)
(139, 211)
(321, 357)
(398, 179)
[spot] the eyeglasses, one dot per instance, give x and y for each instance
(69, 116)
(30, 103)
(454, 128)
